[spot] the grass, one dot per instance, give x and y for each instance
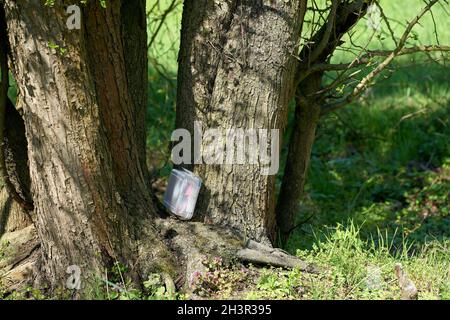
(379, 180)
(358, 269)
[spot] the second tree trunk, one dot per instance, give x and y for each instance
(236, 70)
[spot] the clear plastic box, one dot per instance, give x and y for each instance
(182, 193)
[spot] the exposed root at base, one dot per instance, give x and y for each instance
(187, 243)
(192, 241)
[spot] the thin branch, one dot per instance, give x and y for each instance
(435, 31)
(345, 18)
(340, 77)
(365, 82)
(367, 58)
(329, 30)
(172, 6)
(388, 24)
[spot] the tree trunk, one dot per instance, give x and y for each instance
(308, 111)
(307, 116)
(15, 197)
(236, 69)
(83, 112)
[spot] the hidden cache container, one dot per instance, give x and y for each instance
(182, 193)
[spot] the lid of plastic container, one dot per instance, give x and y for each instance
(190, 173)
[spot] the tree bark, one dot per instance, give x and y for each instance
(134, 37)
(85, 133)
(236, 70)
(85, 148)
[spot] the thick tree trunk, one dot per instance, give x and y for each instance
(236, 69)
(85, 133)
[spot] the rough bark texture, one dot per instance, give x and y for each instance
(15, 199)
(134, 35)
(12, 216)
(236, 71)
(120, 103)
(20, 259)
(85, 149)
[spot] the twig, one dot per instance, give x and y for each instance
(377, 53)
(365, 82)
(329, 30)
(161, 23)
(388, 24)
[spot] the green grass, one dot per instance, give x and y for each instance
(353, 268)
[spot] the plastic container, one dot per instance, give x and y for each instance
(182, 193)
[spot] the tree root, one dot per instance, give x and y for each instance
(193, 241)
(177, 253)
(20, 250)
(257, 253)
